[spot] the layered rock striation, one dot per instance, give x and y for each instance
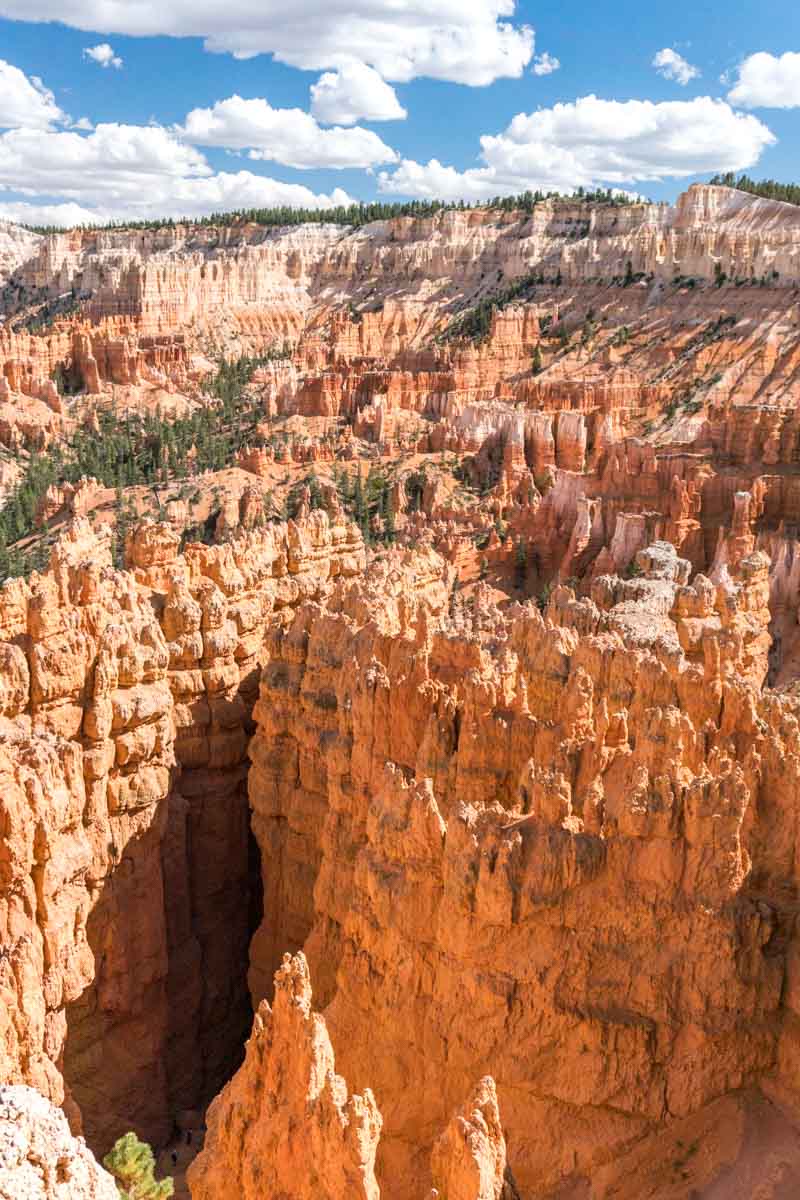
(285, 1125)
(574, 874)
(126, 874)
(517, 793)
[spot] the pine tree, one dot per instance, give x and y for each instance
(536, 364)
(520, 563)
(121, 526)
(40, 557)
(360, 507)
(387, 513)
(132, 1164)
(314, 492)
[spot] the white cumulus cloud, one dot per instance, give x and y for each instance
(768, 81)
(285, 135)
(130, 172)
(545, 64)
(103, 55)
(113, 161)
(591, 142)
(672, 65)
(356, 92)
(23, 212)
(25, 102)
(465, 41)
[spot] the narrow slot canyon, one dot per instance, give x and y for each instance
(137, 887)
(175, 920)
(280, 751)
(414, 811)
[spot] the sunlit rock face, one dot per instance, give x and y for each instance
(126, 873)
(517, 792)
(541, 847)
(285, 1124)
(39, 1157)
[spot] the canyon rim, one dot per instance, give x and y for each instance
(400, 702)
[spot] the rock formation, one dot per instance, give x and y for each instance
(285, 1124)
(469, 1159)
(569, 876)
(122, 913)
(39, 1157)
(496, 737)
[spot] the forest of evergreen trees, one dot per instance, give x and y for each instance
(354, 215)
(770, 189)
(132, 450)
(368, 502)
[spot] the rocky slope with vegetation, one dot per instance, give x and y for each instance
(410, 607)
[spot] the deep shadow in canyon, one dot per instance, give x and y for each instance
(163, 1025)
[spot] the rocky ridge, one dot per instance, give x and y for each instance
(575, 873)
(517, 793)
(124, 852)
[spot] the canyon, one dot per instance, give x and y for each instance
(405, 793)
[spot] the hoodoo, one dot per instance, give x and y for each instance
(409, 608)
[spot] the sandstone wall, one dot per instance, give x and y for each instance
(285, 1125)
(169, 275)
(124, 859)
(575, 873)
(39, 1158)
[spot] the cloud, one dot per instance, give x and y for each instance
(354, 93)
(103, 55)
(767, 81)
(545, 64)
(26, 101)
(591, 142)
(285, 135)
(21, 212)
(672, 65)
(113, 160)
(464, 41)
(129, 172)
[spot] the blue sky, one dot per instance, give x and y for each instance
(213, 106)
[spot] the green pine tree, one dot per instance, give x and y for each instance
(520, 563)
(387, 513)
(360, 507)
(132, 1164)
(314, 492)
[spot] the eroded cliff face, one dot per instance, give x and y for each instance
(39, 1157)
(576, 872)
(518, 794)
(557, 850)
(17, 246)
(585, 408)
(138, 306)
(469, 1159)
(128, 886)
(167, 276)
(285, 1125)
